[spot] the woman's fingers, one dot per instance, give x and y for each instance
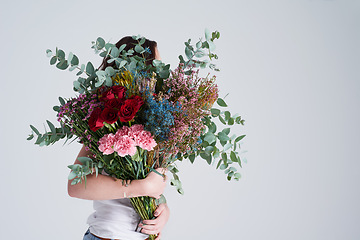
(159, 209)
(156, 225)
(149, 229)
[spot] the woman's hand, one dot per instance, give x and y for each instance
(156, 225)
(154, 184)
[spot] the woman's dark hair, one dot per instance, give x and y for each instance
(130, 44)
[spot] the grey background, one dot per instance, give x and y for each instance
(291, 69)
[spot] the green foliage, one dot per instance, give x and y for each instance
(80, 171)
(52, 136)
(203, 48)
(219, 145)
(175, 181)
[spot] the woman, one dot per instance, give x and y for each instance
(114, 217)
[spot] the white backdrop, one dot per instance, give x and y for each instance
(291, 69)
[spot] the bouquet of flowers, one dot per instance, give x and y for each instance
(135, 117)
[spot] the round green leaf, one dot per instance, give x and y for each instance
(77, 85)
(223, 137)
(100, 43)
(221, 102)
(53, 60)
(139, 49)
(74, 60)
(209, 149)
(215, 112)
(212, 127)
(209, 137)
(231, 121)
(48, 53)
(62, 65)
(227, 115)
(226, 131)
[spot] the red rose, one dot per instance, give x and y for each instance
(114, 103)
(106, 96)
(119, 91)
(109, 115)
(95, 122)
(130, 107)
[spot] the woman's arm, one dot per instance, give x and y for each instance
(104, 187)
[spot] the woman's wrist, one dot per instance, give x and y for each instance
(135, 189)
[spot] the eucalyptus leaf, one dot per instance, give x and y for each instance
(77, 85)
(71, 55)
(223, 137)
(227, 146)
(226, 131)
(74, 60)
(192, 157)
(139, 49)
(199, 54)
(209, 149)
(31, 136)
(110, 71)
(188, 53)
(207, 35)
(212, 127)
(237, 176)
(233, 156)
(51, 126)
(207, 157)
(60, 54)
(89, 68)
(221, 102)
(222, 120)
(35, 130)
(62, 65)
(72, 68)
(215, 112)
(239, 138)
(224, 156)
(62, 101)
(53, 60)
(48, 53)
(231, 121)
(211, 46)
(100, 43)
(227, 115)
(209, 137)
(72, 175)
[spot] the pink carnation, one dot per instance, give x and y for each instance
(137, 128)
(106, 144)
(145, 141)
(135, 131)
(125, 146)
(124, 131)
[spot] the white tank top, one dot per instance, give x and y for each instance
(115, 219)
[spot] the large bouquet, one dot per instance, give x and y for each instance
(135, 117)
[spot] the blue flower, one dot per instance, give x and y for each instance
(159, 117)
